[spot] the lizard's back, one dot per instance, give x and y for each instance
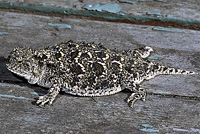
(93, 70)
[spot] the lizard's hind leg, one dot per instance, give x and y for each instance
(144, 52)
(138, 94)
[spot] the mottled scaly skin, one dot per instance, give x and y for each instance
(86, 69)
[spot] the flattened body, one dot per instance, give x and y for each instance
(86, 69)
(92, 70)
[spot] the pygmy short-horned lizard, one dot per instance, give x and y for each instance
(86, 69)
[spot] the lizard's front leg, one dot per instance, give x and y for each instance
(51, 95)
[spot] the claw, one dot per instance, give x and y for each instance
(49, 97)
(41, 105)
(134, 97)
(132, 103)
(42, 100)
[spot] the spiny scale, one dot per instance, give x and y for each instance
(86, 69)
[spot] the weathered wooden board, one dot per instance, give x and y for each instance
(165, 111)
(180, 8)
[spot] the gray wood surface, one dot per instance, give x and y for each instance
(173, 102)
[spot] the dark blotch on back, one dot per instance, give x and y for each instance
(75, 68)
(98, 68)
(85, 56)
(74, 54)
(71, 45)
(91, 80)
(101, 54)
(57, 55)
(44, 57)
(117, 58)
(128, 69)
(115, 67)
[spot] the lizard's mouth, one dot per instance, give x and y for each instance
(16, 67)
(16, 71)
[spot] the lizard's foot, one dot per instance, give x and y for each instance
(140, 95)
(145, 52)
(49, 97)
(42, 100)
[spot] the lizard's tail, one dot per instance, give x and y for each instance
(160, 70)
(168, 70)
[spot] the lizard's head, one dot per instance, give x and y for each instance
(22, 62)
